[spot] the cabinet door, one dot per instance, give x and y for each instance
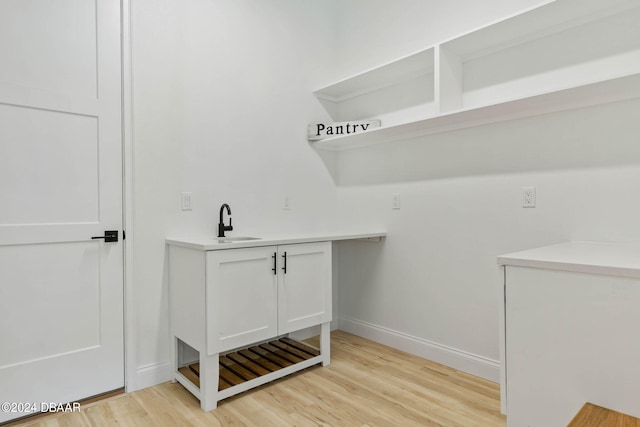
(241, 297)
(304, 288)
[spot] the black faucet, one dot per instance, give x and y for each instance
(221, 227)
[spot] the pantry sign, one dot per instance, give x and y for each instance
(318, 131)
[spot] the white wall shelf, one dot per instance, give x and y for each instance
(397, 92)
(565, 54)
(617, 89)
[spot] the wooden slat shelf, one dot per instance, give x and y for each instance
(253, 362)
(191, 374)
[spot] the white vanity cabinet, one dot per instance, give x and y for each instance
(227, 304)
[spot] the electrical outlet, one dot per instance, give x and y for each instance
(286, 203)
(395, 201)
(185, 201)
(528, 197)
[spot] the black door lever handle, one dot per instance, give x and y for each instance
(109, 236)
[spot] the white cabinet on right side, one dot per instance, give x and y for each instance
(571, 331)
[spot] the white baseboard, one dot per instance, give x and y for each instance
(150, 375)
(461, 360)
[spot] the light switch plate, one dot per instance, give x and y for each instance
(395, 201)
(528, 197)
(186, 201)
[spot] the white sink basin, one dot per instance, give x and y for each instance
(231, 239)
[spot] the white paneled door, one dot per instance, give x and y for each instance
(61, 292)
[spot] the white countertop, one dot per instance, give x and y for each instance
(611, 259)
(211, 243)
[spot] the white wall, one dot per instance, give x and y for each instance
(221, 99)
(433, 287)
(222, 94)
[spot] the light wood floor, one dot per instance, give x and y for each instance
(367, 384)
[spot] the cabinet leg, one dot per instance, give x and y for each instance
(325, 343)
(209, 372)
(174, 357)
